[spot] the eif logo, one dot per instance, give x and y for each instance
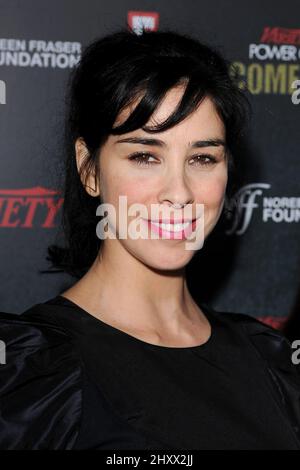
(142, 20)
(2, 92)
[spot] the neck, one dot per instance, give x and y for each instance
(130, 291)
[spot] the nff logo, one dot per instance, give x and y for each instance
(142, 20)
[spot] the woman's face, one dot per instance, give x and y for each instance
(170, 173)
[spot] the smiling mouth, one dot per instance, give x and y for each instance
(174, 229)
(171, 226)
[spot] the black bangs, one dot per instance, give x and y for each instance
(156, 91)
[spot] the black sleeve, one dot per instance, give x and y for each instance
(40, 385)
(275, 352)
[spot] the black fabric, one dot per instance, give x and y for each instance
(72, 381)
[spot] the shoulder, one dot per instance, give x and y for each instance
(270, 344)
(280, 363)
(41, 382)
(244, 322)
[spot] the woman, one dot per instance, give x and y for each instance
(125, 358)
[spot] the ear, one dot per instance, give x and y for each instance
(89, 180)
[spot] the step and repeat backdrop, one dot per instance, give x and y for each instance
(251, 262)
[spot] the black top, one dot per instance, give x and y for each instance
(72, 381)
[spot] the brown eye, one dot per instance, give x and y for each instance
(204, 160)
(142, 158)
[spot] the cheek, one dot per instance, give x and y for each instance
(212, 191)
(135, 190)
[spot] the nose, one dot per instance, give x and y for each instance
(176, 191)
(175, 195)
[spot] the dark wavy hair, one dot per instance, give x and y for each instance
(113, 72)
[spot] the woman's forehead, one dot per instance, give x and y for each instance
(203, 122)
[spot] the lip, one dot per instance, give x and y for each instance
(170, 221)
(172, 234)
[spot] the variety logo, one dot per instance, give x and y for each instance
(281, 36)
(275, 209)
(39, 53)
(142, 20)
(27, 208)
(277, 44)
(273, 62)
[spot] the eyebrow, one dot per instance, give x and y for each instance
(213, 142)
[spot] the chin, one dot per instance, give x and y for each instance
(163, 262)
